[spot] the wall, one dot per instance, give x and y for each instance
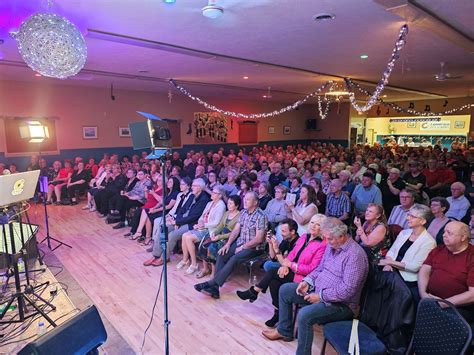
(78, 106)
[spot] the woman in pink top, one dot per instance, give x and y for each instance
(303, 258)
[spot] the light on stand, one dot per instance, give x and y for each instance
(35, 131)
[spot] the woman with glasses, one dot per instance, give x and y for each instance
(439, 207)
(411, 248)
(206, 225)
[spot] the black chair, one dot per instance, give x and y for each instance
(439, 330)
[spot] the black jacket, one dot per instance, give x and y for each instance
(388, 309)
(191, 211)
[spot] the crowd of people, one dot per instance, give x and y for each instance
(320, 217)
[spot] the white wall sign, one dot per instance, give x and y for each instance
(440, 125)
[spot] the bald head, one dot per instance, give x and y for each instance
(456, 236)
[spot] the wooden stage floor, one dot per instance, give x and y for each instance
(109, 269)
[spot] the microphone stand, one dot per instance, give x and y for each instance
(161, 155)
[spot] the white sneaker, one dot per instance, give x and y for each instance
(182, 264)
(192, 269)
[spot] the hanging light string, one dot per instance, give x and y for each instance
(323, 114)
(399, 44)
(410, 111)
(288, 108)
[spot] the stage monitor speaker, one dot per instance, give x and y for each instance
(311, 124)
(82, 334)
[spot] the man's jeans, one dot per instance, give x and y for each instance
(308, 315)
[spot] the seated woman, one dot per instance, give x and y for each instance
(411, 248)
(134, 198)
(372, 235)
(131, 176)
(304, 209)
(52, 177)
(212, 182)
(77, 182)
(210, 219)
(301, 261)
(209, 248)
(96, 184)
(439, 206)
(320, 195)
(264, 195)
(61, 181)
(148, 215)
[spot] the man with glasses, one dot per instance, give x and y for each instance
(399, 213)
(458, 203)
(338, 204)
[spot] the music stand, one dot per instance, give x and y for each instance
(43, 184)
(17, 189)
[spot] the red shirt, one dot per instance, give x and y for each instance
(151, 200)
(64, 172)
(451, 274)
(432, 178)
(448, 176)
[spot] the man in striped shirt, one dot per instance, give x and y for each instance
(338, 204)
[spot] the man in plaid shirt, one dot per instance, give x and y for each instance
(330, 293)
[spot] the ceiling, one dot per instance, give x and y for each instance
(276, 43)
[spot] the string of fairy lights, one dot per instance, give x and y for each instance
(323, 94)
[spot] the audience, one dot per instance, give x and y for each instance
(338, 181)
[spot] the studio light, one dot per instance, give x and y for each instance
(34, 131)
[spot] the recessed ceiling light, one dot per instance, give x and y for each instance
(364, 56)
(212, 10)
(169, 1)
(384, 96)
(264, 96)
(324, 16)
(38, 74)
(246, 77)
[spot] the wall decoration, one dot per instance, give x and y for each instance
(89, 132)
(271, 130)
(124, 132)
(459, 124)
(411, 124)
(210, 127)
(286, 130)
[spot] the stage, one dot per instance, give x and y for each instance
(108, 268)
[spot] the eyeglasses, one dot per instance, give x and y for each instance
(412, 216)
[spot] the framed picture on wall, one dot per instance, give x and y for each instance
(124, 132)
(286, 130)
(271, 130)
(411, 124)
(89, 132)
(459, 124)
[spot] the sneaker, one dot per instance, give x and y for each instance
(192, 269)
(182, 264)
(249, 294)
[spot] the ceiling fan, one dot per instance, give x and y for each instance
(442, 75)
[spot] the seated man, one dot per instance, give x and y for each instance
(275, 210)
(338, 204)
(366, 192)
(328, 294)
(244, 243)
(458, 203)
(289, 233)
(448, 272)
(399, 213)
(187, 215)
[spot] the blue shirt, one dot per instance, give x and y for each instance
(363, 196)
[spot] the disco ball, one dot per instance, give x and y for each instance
(51, 45)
